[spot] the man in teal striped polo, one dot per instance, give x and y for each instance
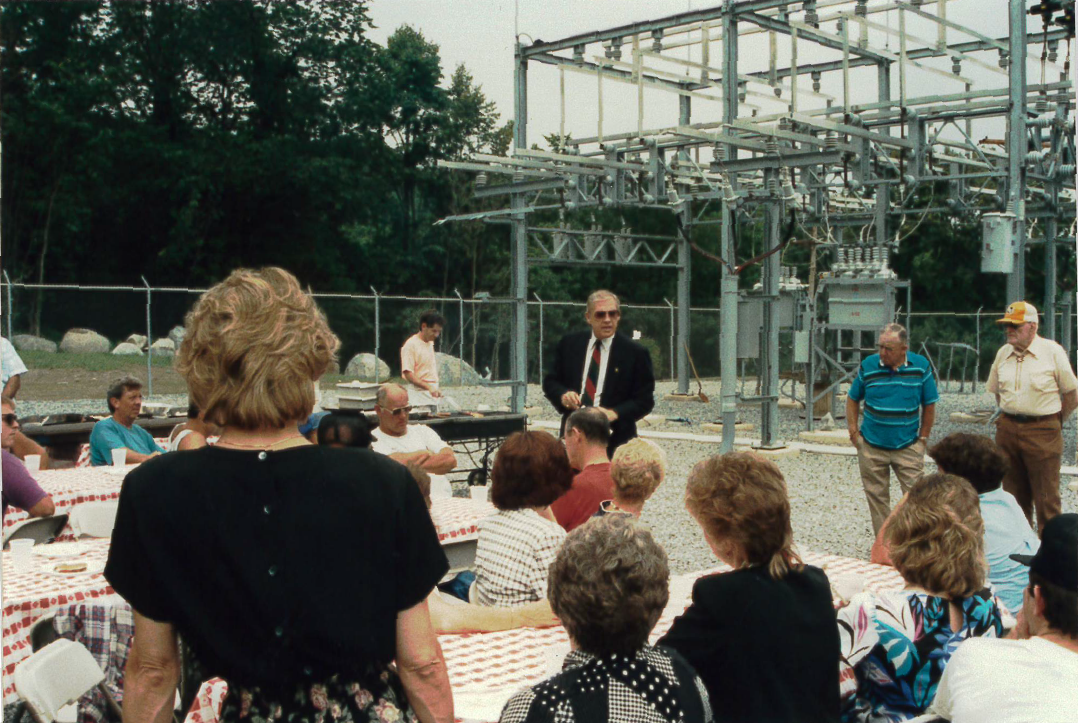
(899, 392)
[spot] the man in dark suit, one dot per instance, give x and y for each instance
(604, 369)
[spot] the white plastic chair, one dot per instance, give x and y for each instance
(57, 676)
(94, 519)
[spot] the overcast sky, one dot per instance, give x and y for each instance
(479, 33)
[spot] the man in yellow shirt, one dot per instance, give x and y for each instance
(1036, 390)
(419, 365)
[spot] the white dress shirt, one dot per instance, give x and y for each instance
(604, 357)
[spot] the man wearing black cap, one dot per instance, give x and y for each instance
(1033, 677)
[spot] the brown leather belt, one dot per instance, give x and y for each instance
(1027, 418)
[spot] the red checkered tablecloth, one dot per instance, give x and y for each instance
(495, 665)
(70, 487)
(457, 518)
(29, 595)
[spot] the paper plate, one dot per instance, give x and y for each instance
(60, 550)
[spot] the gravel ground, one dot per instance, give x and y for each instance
(829, 509)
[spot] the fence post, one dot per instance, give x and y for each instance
(149, 343)
(10, 308)
(672, 365)
(977, 366)
(460, 362)
(536, 295)
(377, 334)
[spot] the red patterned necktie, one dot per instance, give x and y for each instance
(592, 382)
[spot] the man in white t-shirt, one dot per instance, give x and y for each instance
(411, 443)
(1033, 677)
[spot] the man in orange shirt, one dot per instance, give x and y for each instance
(419, 366)
(587, 434)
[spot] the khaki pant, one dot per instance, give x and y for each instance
(1035, 452)
(876, 465)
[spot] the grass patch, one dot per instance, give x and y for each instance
(91, 362)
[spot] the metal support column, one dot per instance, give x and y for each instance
(883, 190)
(728, 344)
(769, 335)
(684, 266)
(518, 361)
(1051, 229)
(1016, 148)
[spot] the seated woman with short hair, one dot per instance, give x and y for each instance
(609, 585)
(899, 642)
(517, 545)
(193, 433)
(762, 636)
(638, 468)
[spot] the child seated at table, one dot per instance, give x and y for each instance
(517, 545)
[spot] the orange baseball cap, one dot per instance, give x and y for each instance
(1020, 312)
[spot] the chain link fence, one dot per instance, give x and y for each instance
(477, 331)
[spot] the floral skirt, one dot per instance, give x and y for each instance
(377, 698)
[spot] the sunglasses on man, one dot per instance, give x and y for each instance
(604, 314)
(406, 410)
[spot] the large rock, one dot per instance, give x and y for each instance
(29, 342)
(126, 348)
(137, 339)
(453, 372)
(363, 367)
(163, 347)
(84, 341)
(177, 334)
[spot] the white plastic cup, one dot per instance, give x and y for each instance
(479, 492)
(119, 457)
(33, 462)
(21, 554)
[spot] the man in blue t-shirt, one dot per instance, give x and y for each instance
(899, 392)
(124, 398)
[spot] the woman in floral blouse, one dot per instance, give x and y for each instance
(898, 643)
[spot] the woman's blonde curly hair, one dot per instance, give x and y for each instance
(254, 346)
(936, 537)
(740, 498)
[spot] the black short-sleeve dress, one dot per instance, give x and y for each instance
(283, 570)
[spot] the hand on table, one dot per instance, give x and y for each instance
(571, 401)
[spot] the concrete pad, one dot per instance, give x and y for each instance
(787, 403)
(835, 436)
(967, 418)
(847, 451)
(1073, 486)
(717, 428)
(1070, 471)
(651, 420)
(783, 453)
(682, 398)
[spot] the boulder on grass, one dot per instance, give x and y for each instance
(137, 339)
(364, 367)
(453, 373)
(29, 342)
(126, 348)
(84, 341)
(177, 334)
(163, 347)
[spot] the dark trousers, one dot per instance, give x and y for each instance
(1035, 452)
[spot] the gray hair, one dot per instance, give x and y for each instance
(609, 585)
(903, 336)
(602, 294)
(384, 390)
(592, 423)
(119, 387)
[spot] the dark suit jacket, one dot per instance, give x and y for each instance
(629, 388)
(765, 648)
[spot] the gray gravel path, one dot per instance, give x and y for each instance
(828, 504)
